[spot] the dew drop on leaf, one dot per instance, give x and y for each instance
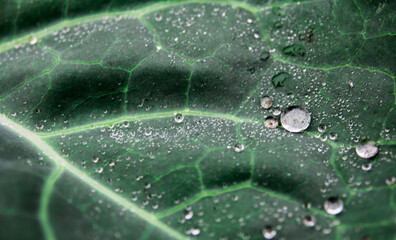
(333, 136)
(188, 214)
(333, 206)
(390, 181)
(322, 128)
(239, 147)
(266, 102)
(269, 232)
(270, 122)
(367, 149)
(295, 119)
(309, 221)
(179, 118)
(95, 159)
(195, 231)
(33, 40)
(277, 111)
(367, 167)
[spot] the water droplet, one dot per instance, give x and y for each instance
(367, 167)
(249, 20)
(95, 159)
(333, 136)
(294, 50)
(295, 119)
(309, 221)
(269, 232)
(188, 214)
(277, 111)
(99, 170)
(239, 148)
(270, 122)
(264, 56)
(33, 40)
(390, 181)
(158, 17)
(333, 206)
(321, 128)
(39, 126)
(266, 102)
(179, 118)
(195, 231)
(280, 79)
(367, 149)
(256, 35)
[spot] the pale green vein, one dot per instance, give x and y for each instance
(58, 160)
(45, 201)
(147, 116)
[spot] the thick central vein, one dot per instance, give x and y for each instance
(58, 160)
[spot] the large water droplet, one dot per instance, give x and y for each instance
(266, 102)
(309, 221)
(295, 119)
(269, 232)
(270, 122)
(333, 206)
(367, 149)
(179, 118)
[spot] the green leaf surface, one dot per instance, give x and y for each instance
(143, 120)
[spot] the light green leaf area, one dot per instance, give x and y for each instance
(91, 147)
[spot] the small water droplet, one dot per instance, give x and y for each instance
(367, 167)
(270, 122)
(158, 17)
(269, 232)
(321, 128)
(333, 206)
(249, 20)
(390, 181)
(195, 231)
(367, 149)
(188, 214)
(295, 119)
(33, 40)
(179, 118)
(99, 170)
(266, 102)
(39, 126)
(309, 221)
(256, 35)
(277, 111)
(333, 136)
(95, 159)
(239, 147)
